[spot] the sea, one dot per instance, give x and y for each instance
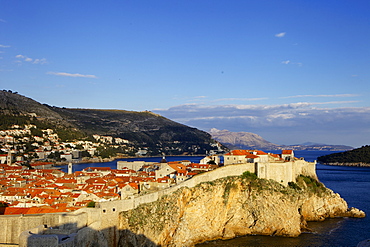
(352, 183)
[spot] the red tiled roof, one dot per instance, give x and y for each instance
(37, 210)
(251, 156)
(238, 152)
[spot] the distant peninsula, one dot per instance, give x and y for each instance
(247, 140)
(355, 157)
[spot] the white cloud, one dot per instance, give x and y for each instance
(239, 99)
(280, 35)
(320, 96)
(286, 123)
(40, 61)
(290, 62)
(2, 20)
(71, 75)
(4, 46)
(31, 60)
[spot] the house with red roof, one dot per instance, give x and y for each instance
(100, 170)
(164, 171)
(235, 157)
(129, 190)
(42, 165)
(287, 155)
(3, 158)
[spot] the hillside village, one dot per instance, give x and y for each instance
(28, 145)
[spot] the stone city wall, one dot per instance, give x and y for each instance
(13, 226)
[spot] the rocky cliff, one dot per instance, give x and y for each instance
(230, 207)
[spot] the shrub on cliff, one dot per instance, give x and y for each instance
(311, 184)
(249, 175)
(294, 186)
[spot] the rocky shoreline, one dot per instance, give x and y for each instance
(231, 207)
(358, 164)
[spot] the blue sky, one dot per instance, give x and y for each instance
(290, 70)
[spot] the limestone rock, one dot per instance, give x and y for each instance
(227, 208)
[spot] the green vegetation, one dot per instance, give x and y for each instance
(249, 175)
(6, 121)
(294, 186)
(311, 184)
(91, 204)
(107, 151)
(154, 214)
(359, 155)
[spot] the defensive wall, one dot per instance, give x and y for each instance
(14, 225)
(105, 216)
(282, 172)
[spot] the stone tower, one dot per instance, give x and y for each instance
(9, 159)
(70, 168)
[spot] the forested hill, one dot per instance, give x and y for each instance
(145, 129)
(359, 156)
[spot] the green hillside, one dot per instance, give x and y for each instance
(147, 130)
(359, 155)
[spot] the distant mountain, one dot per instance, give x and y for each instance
(143, 129)
(242, 140)
(247, 140)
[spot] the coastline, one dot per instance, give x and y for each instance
(105, 160)
(356, 164)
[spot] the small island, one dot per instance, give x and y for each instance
(355, 157)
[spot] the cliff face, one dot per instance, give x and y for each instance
(230, 207)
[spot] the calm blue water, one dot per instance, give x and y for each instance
(113, 164)
(352, 183)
